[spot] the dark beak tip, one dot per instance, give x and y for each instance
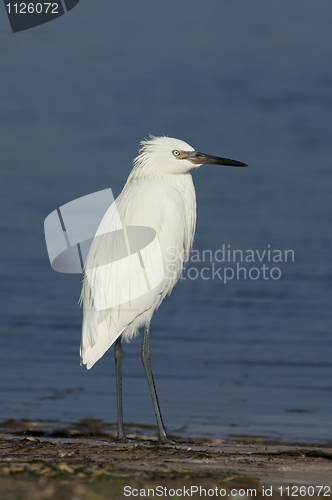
(235, 163)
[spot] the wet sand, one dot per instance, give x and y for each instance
(84, 461)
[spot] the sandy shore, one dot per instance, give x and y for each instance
(85, 462)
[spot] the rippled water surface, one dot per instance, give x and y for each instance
(249, 81)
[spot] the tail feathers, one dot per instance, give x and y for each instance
(104, 339)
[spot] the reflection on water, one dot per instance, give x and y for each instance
(252, 356)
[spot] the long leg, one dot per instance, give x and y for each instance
(118, 355)
(146, 358)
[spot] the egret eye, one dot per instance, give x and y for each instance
(176, 152)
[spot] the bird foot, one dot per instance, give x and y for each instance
(165, 440)
(121, 439)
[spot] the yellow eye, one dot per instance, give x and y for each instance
(176, 152)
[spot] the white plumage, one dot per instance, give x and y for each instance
(160, 194)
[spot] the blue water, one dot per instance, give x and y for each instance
(245, 80)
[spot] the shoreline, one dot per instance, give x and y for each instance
(100, 429)
(99, 467)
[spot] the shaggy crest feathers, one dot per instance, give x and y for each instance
(155, 158)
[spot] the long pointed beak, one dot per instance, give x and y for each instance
(201, 159)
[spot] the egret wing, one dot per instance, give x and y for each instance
(134, 261)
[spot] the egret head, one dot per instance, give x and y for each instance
(173, 156)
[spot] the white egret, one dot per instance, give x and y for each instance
(158, 194)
